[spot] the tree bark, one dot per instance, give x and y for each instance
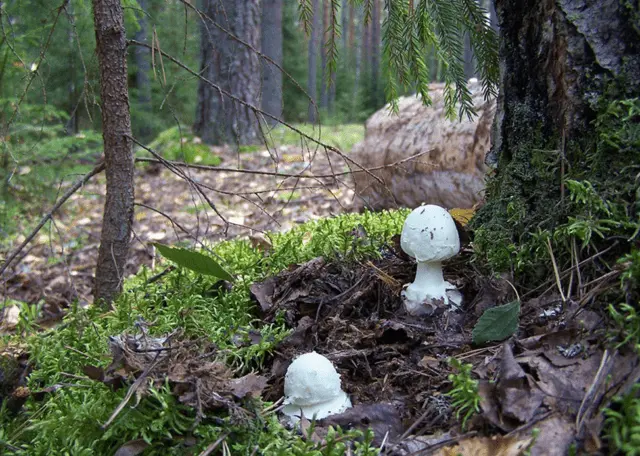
(142, 57)
(116, 123)
(559, 60)
(313, 59)
(234, 67)
(324, 88)
(272, 47)
(375, 54)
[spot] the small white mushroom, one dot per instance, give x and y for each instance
(430, 236)
(312, 388)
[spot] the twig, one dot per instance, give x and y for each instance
(98, 169)
(555, 272)
(273, 173)
(266, 114)
(132, 390)
(568, 271)
(207, 451)
(589, 394)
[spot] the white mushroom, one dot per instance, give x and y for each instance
(312, 387)
(430, 236)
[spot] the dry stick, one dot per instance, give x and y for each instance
(592, 388)
(555, 272)
(256, 109)
(98, 169)
(207, 451)
(132, 390)
(568, 271)
(272, 173)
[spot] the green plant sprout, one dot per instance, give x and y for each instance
(464, 394)
(622, 423)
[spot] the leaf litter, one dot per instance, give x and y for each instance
(552, 376)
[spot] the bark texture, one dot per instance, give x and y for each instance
(272, 47)
(313, 58)
(116, 124)
(561, 61)
(234, 67)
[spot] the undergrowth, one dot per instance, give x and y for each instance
(69, 420)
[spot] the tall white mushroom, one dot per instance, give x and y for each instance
(430, 236)
(312, 387)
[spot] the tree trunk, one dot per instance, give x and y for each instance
(324, 87)
(234, 67)
(469, 59)
(355, 46)
(375, 54)
(116, 123)
(272, 47)
(142, 56)
(560, 60)
(345, 25)
(313, 59)
(366, 47)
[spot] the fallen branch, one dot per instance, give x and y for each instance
(269, 173)
(78, 185)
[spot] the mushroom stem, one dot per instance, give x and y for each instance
(428, 285)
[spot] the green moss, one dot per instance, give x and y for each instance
(536, 198)
(69, 420)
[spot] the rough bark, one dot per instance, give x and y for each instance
(142, 58)
(272, 47)
(233, 66)
(559, 60)
(313, 58)
(116, 123)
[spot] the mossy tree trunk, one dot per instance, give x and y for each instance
(562, 61)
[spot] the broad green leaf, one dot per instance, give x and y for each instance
(193, 260)
(497, 323)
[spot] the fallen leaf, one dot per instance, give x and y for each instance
(249, 385)
(487, 446)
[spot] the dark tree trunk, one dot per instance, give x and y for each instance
(375, 54)
(234, 67)
(116, 123)
(366, 47)
(560, 59)
(324, 89)
(272, 47)
(344, 11)
(313, 58)
(469, 59)
(72, 124)
(355, 46)
(142, 56)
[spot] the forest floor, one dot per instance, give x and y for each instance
(58, 266)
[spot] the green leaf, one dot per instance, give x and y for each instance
(193, 260)
(497, 323)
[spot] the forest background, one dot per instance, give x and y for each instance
(49, 84)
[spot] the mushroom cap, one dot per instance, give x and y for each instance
(430, 234)
(311, 379)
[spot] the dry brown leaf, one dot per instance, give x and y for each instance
(487, 446)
